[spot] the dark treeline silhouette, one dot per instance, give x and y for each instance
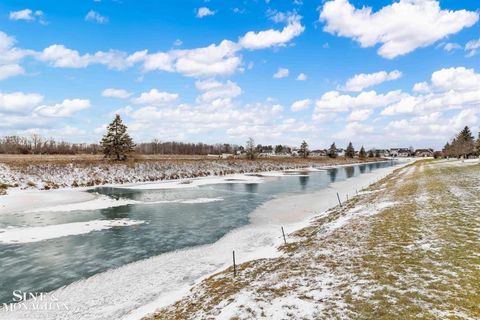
(172, 147)
(36, 144)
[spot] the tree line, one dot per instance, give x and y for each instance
(463, 145)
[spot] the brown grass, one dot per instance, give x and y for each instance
(20, 160)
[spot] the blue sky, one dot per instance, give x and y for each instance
(377, 73)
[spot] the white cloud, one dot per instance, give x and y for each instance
(66, 108)
(281, 73)
(155, 98)
(354, 131)
(94, 16)
(10, 70)
(364, 80)
(333, 101)
(216, 92)
(116, 93)
(269, 38)
(430, 127)
(449, 88)
(19, 102)
(400, 28)
(25, 14)
(204, 12)
(9, 54)
(451, 46)
(300, 105)
(458, 79)
(360, 115)
(61, 57)
(302, 77)
(200, 62)
(472, 47)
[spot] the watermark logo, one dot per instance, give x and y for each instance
(33, 301)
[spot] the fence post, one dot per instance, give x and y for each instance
(234, 266)
(284, 239)
(339, 202)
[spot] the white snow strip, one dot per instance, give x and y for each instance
(192, 183)
(24, 200)
(34, 234)
(101, 202)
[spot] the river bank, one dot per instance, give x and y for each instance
(139, 288)
(405, 247)
(74, 172)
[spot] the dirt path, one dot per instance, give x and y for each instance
(407, 247)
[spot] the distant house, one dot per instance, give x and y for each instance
(382, 152)
(341, 152)
(400, 152)
(424, 153)
(318, 153)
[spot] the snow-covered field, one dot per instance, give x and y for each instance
(406, 248)
(139, 288)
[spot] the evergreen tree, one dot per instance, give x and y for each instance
(332, 152)
(350, 151)
(465, 143)
(250, 149)
(362, 154)
(371, 154)
(116, 143)
(303, 151)
(278, 148)
(377, 154)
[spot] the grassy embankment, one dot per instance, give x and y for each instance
(408, 247)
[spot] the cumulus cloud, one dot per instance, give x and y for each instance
(204, 12)
(61, 57)
(116, 93)
(281, 73)
(19, 102)
(300, 105)
(66, 108)
(213, 60)
(365, 80)
(302, 77)
(472, 47)
(399, 28)
(209, 61)
(27, 15)
(360, 115)
(449, 88)
(10, 70)
(94, 16)
(333, 101)
(451, 46)
(217, 93)
(155, 98)
(269, 38)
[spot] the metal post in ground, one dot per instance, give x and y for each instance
(284, 239)
(339, 202)
(234, 266)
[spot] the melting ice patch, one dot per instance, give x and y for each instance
(33, 234)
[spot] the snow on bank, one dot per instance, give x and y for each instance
(34, 234)
(25, 200)
(139, 288)
(101, 202)
(192, 183)
(57, 175)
